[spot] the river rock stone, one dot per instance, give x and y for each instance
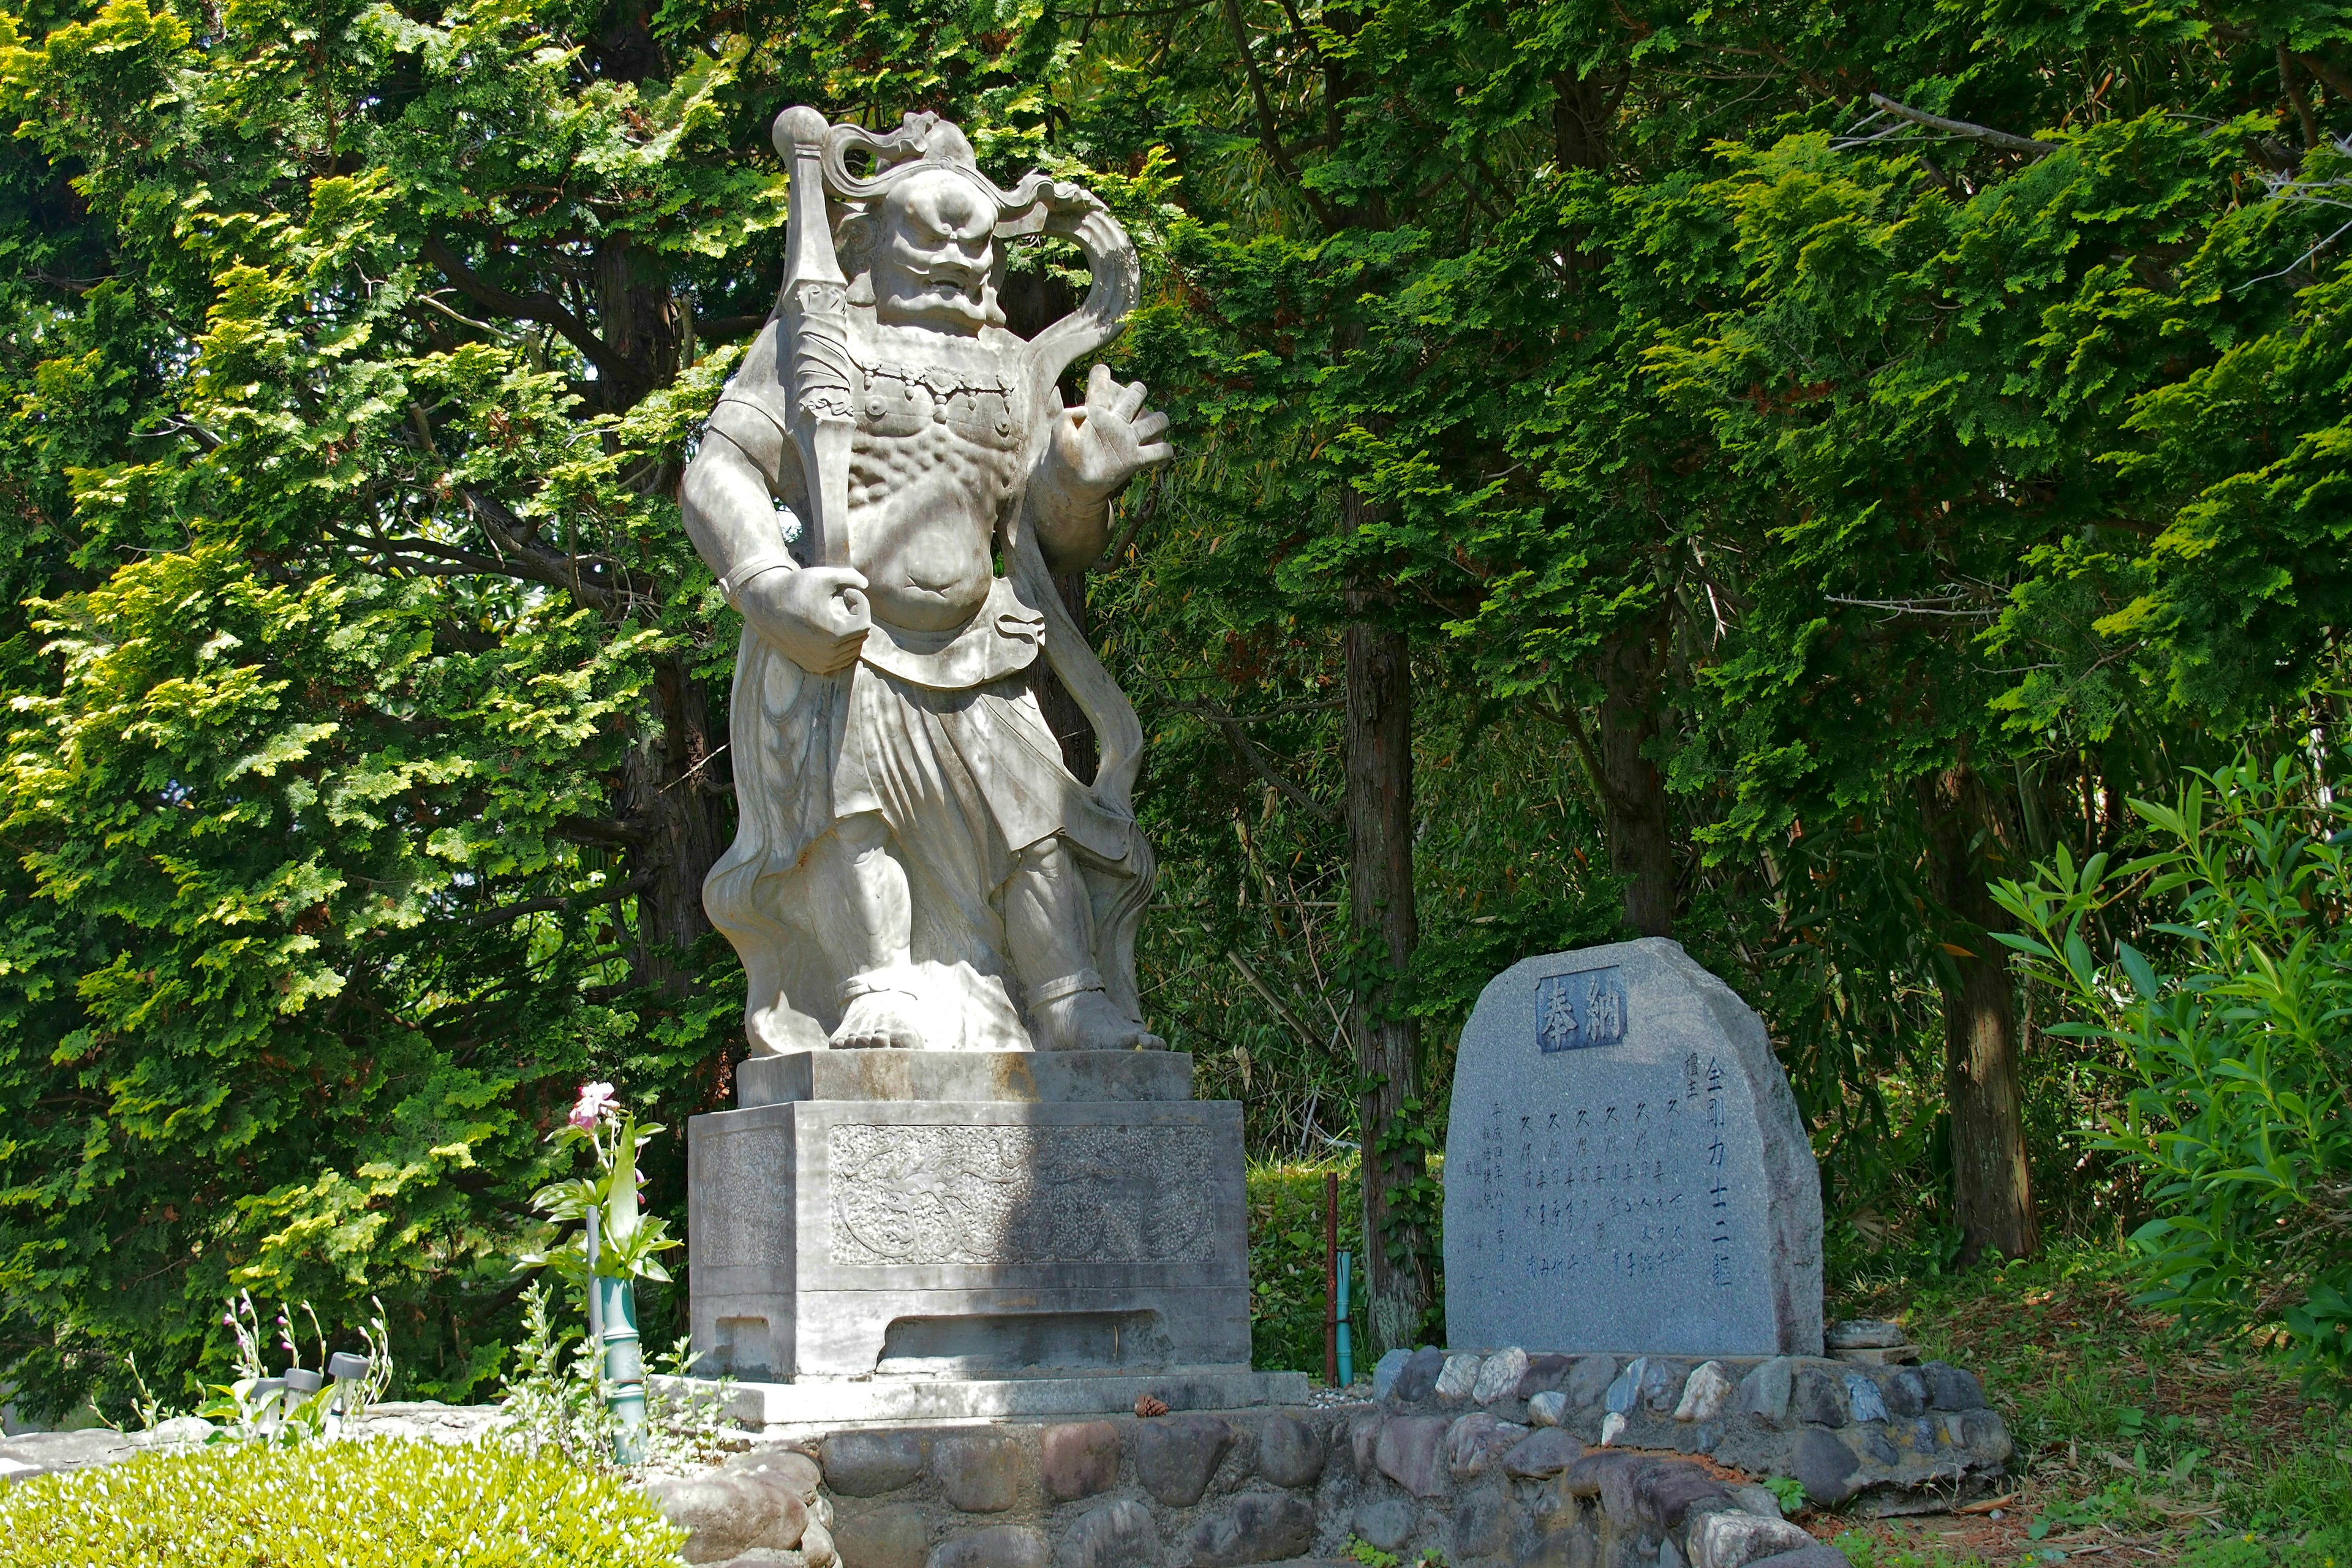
(896, 1536)
(725, 1515)
(1549, 1408)
(1481, 1525)
(1823, 1466)
(1588, 1382)
(1499, 1376)
(1735, 1539)
(867, 1464)
(1176, 1455)
(1707, 1393)
(1626, 1165)
(1459, 1376)
(1417, 1379)
(1818, 1397)
(1290, 1452)
(1949, 1388)
(1256, 1527)
(1904, 1393)
(998, 1546)
(1412, 1453)
(1544, 1453)
(1765, 1391)
(1862, 1398)
(1114, 1535)
(979, 1472)
(1385, 1370)
(1078, 1458)
(1545, 1373)
(1473, 1441)
(1387, 1524)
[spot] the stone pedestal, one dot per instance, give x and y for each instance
(967, 1216)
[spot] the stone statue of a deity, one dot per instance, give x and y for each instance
(885, 489)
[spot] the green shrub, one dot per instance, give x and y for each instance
(1286, 1241)
(2231, 1034)
(345, 1505)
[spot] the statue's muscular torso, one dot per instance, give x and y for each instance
(939, 448)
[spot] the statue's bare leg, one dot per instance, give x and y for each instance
(1049, 926)
(871, 926)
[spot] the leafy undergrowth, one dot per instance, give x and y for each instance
(2134, 1444)
(1287, 1302)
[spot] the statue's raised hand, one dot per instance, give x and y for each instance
(817, 615)
(1110, 440)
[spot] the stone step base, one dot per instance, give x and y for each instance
(769, 1406)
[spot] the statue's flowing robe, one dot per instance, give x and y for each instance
(938, 733)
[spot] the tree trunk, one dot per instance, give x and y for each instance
(1398, 1278)
(1992, 1197)
(676, 800)
(1633, 793)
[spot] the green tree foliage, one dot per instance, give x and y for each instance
(1634, 480)
(364, 758)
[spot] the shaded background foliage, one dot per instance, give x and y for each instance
(1632, 481)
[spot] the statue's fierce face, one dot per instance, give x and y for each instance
(932, 266)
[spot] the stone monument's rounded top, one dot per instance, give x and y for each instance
(799, 124)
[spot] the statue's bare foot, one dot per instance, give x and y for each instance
(877, 1019)
(1089, 1021)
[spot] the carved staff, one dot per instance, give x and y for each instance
(816, 309)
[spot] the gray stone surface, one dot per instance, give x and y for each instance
(1385, 1370)
(1765, 1391)
(1626, 1166)
(1545, 1373)
(30, 1454)
(1116, 1535)
(1862, 1399)
(1863, 1333)
(899, 1536)
(979, 1472)
(998, 1546)
(1290, 1451)
(1903, 1392)
(1256, 1527)
(797, 1406)
(1078, 1239)
(1078, 1458)
(1176, 1455)
(1548, 1409)
(1029, 1077)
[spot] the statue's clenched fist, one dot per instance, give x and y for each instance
(1110, 440)
(817, 615)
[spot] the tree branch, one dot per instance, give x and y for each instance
(568, 903)
(1269, 131)
(1248, 750)
(1965, 130)
(540, 307)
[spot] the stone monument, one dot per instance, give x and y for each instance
(960, 1161)
(1625, 1167)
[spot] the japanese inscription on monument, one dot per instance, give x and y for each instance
(1629, 1172)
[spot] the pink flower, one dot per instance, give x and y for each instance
(595, 1102)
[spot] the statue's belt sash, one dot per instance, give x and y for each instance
(1002, 638)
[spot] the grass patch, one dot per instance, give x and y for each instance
(346, 1505)
(2135, 1444)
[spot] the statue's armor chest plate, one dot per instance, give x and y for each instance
(937, 427)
